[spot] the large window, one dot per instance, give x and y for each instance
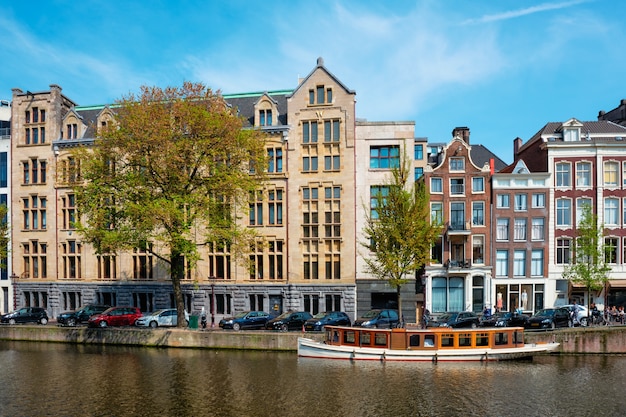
(457, 186)
(563, 212)
(332, 132)
(275, 160)
(563, 174)
(457, 216)
(519, 263)
(478, 249)
(503, 201)
(436, 185)
(419, 152)
(583, 174)
(611, 174)
(457, 164)
(478, 213)
(610, 250)
(309, 132)
(448, 294)
(502, 229)
(581, 203)
(521, 202)
(519, 232)
(275, 207)
(502, 263)
(478, 184)
(436, 213)
(538, 228)
(611, 211)
(384, 157)
(378, 195)
(539, 200)
(536, 263)
(563, 251)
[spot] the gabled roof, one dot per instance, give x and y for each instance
(320, 66)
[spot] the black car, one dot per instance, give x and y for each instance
(290, 320)
(26, 315)
(456, 320)
(504, 319)
(550, 318)
(381, 319)
(72, 318)
(246, 320)
(326, 318)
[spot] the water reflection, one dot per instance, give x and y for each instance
(67, 380)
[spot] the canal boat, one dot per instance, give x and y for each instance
(432, 345)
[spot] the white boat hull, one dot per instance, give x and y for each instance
(309, 348)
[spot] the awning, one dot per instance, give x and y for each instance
(617, 283)
(578, 285)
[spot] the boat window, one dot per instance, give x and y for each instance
(429, 340)
(366, 338)
(502, 338)
(447, 340)
(518, 338)
(465, 339)
(414, 340)
(335, 336)
(482, 339)
(380, 339)
(348, 337)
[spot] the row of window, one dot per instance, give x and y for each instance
(270, 202)
(520, 229)
(520, 201)
(457, 219)
(457, 185)
(332, 131)
(584, 174)
(565, 247)
(35, 135)
(611, 211)
(36, 115)
(519, 263)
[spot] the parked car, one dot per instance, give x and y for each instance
(26, 315)
(74, 317)
(504, 319)
(246, 320)
(115, 316)
(583, 314)
(164, 317)
(456, 320)
(379, 318)
(289, 320)
(326, 318)
(549, 318)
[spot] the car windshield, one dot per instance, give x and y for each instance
(371, 314)
(320, 315)
(446, 317)
(545, 313)
(241, 315)
(285, 314)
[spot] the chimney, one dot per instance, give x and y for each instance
(462, 132)
(517, 143)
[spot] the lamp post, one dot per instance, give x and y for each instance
(212, 279)
(14, 278)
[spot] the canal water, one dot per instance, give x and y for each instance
(44, 379)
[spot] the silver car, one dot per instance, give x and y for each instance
(164, 317)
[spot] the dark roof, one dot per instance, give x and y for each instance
(244, 103)
(599, 131)
(481, 155)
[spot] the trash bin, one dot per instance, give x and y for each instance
(193, 322)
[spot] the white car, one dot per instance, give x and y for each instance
(164, 317)
(583, 314)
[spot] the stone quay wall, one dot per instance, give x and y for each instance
(594, 340)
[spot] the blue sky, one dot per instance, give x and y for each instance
(503, 68)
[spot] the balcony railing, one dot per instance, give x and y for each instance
(458, 264)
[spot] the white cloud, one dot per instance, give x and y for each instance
(524, 12)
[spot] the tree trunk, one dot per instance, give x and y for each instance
(400, 314)
(178, 272)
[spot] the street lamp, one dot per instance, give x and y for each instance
(212, 279)
(14, 278)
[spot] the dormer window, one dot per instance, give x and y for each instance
(265, 117)
(321, 95)
(457, 164)
(571, 135)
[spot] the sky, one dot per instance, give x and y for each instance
(502, 68)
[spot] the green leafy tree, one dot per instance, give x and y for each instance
(172, 173)
(399, 230)
(590, 254)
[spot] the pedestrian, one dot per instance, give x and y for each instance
(203, 317)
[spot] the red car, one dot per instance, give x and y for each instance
(115, 316)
